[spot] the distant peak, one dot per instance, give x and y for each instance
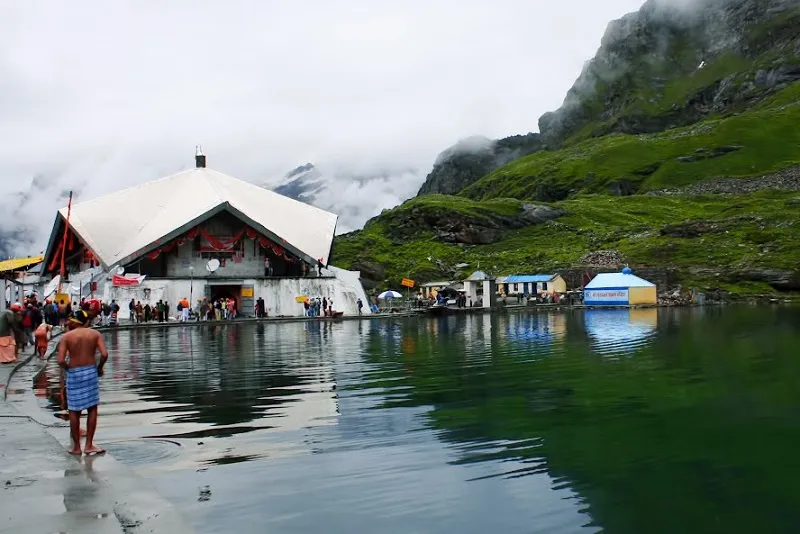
(300, 170)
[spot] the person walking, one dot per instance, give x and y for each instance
(43, 334)
(185, 310)
(360, 305)
(76, 356)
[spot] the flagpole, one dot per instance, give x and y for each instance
(62, 271)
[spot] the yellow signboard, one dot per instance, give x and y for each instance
(247, 291)
(407, 282)
(300, 299)
(62, 297)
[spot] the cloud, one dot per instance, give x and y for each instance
(96, 96)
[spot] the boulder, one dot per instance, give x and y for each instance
(782, 280)
(369, 269)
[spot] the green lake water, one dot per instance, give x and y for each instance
(617, 421)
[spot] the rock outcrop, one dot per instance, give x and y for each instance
(473, 158)
(786, 179)
(673, 63)
(453, 226)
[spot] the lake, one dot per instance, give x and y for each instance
(617, 421)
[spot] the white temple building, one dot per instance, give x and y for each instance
(200, 233)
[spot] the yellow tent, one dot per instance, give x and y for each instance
(19, 263)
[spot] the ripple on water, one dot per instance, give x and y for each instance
(140, 452)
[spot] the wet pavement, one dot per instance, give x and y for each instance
(45, 490)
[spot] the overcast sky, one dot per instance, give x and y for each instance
(98, 95)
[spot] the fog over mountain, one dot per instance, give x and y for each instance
(355, 197)
(98, 96)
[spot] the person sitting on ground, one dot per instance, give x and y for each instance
(76, 355)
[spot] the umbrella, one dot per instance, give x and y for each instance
(390, 295)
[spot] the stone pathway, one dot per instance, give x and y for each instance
(45, 490)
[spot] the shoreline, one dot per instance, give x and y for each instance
(450, 311)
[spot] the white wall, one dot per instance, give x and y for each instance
(279, 294)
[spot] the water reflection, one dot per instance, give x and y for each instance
(620, 331)
(626, 421)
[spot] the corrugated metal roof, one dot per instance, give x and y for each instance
(528, 278)
(119, 225)
(608, 280)
(19, 263)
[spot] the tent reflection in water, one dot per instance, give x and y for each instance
(619, 289)
(615, 331)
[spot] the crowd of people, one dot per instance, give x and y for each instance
(314, 307)
(32, 322)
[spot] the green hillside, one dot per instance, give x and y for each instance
(678, 148)
(755, 142)
(729, 243)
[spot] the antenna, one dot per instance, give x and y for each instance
(120, 270)
(212, 265)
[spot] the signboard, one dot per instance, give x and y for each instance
(62, 297)
(605, 297)
(300, 299)
(407, 282)
(247, 292)
(128, 280)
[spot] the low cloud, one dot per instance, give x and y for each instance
(98, 96)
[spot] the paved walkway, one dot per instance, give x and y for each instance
(45, 490)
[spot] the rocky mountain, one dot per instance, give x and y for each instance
(676, 151)
(470, 159)
(303, 183)
(674, 63)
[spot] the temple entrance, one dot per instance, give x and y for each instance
(225, 291)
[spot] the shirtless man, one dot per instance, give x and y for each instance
(76, 355)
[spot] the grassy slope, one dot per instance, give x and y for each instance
(768, 134)
(656, 85)
(595, 222)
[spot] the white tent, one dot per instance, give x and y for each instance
(122, 226)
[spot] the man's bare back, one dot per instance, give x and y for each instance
(81, 344)
(82, 387)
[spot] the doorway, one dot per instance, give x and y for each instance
(225, 292)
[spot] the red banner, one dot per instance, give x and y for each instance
(127, 281)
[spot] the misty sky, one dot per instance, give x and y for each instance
(96, 96)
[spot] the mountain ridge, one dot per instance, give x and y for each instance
(695, 171)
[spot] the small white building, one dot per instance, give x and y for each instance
(480, 287)
(156, 241)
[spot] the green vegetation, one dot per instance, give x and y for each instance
(756, 231)
(768, 137)
(461, 205)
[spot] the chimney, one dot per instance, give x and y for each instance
(199, 158)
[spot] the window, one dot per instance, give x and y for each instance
(544, 286)
(516, 287)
